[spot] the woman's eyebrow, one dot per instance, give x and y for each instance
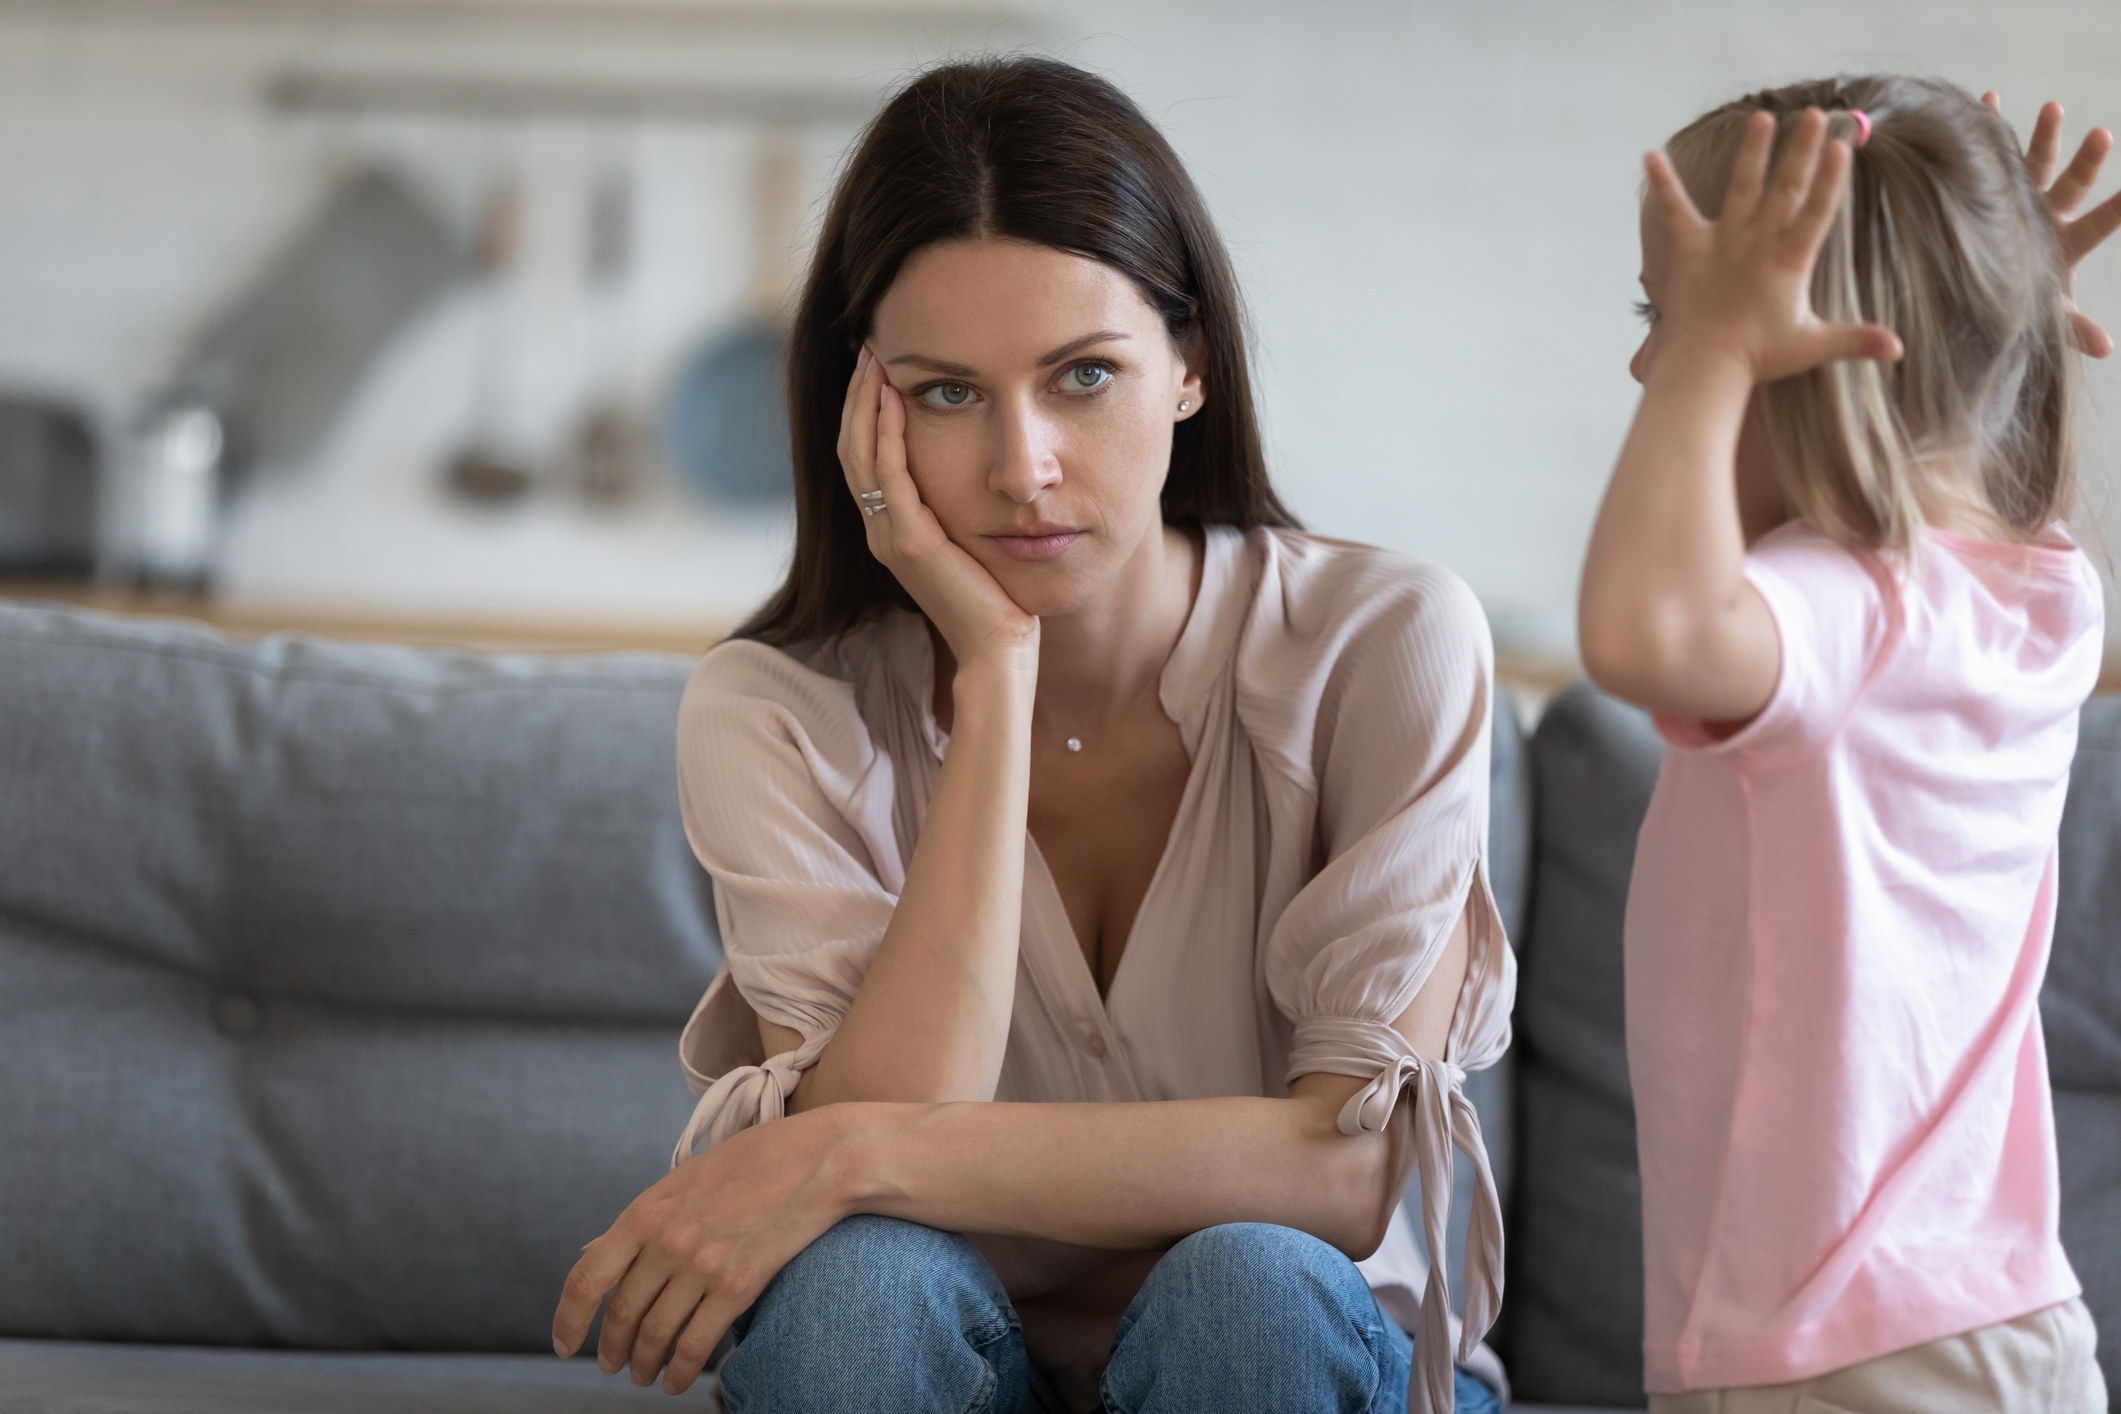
(933, 365)
(1102, 336)
(959, 370)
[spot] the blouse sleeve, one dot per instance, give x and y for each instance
(786, 802)
(1401, 752)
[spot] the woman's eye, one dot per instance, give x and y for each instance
(947, 395)
(1085, 378)
(1645, 311)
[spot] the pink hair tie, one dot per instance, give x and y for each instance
(1863, 125)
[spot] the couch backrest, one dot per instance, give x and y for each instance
(339, 984)
(1573, 1314)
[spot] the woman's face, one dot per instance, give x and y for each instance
(1040, 392)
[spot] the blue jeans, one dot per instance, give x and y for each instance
(890, 1316)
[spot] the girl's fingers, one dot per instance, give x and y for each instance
(1838, 343)
(1670, 194)
(2083, 235)
(1824, 200)
(2083, 170)
(1796, 173)
(2091, 340)
(1993, 101)
(2046, 142)
(1749, 171)
(601, 1265)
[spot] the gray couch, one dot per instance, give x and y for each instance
(339, 988)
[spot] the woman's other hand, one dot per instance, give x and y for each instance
(974, 614)
(2081, 236)
(694, 1252)
(1739, 287)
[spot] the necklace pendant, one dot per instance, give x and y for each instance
(1075, 743)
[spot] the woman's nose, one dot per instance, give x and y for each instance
(1026, 461)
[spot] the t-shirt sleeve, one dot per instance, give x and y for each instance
(786, 803)
(1832, 608)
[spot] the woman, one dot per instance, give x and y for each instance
(1063, 769)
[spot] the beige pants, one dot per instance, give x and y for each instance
(2038, 1364)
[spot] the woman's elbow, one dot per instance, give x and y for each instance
(1364, 1213)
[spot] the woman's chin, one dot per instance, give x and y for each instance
(1046, 590)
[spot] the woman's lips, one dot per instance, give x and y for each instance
(1040, 543)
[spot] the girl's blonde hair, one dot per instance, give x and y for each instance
(1943, 239)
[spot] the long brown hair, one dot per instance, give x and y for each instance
(1026, 149)
(1942, 239)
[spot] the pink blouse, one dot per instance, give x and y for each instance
(1335, 702)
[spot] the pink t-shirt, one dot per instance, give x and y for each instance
(1836, 933)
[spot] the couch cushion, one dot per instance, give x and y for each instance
(2080, 1009)
(370, 825)
(66, 1377)
(343, 982)
(1572, 1319)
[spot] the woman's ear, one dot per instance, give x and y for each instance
(1193, 356)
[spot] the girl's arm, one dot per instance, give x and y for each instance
(1665, 618)
(694, 1251)
(931, 1018)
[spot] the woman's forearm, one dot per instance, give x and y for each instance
(932, 1016)
(1130, 1176)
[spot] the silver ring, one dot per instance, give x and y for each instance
(874, 510)
(870, 498)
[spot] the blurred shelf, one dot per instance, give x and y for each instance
(501, 633)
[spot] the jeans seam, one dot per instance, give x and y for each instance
(1372, 1333)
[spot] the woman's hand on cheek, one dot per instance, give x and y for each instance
(975, 615)
(1739, 287)
(694, 1252)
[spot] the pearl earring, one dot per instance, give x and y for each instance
(1185, 404)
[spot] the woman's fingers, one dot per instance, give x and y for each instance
(626, 1307)
(858, 425)
(892, 477)
(600, 1267)
(665, 1321)
(695, 1344)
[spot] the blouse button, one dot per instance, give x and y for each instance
(1095, 1045)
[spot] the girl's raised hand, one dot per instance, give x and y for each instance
(975, 615)
(1740, 286)
(2082, 235)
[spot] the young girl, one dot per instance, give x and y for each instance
(1831, 561)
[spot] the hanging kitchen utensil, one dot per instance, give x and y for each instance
(482, 473)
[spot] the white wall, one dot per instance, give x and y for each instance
(1432, 206)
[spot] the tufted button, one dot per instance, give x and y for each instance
(236, 1014)
(1094, 1043)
